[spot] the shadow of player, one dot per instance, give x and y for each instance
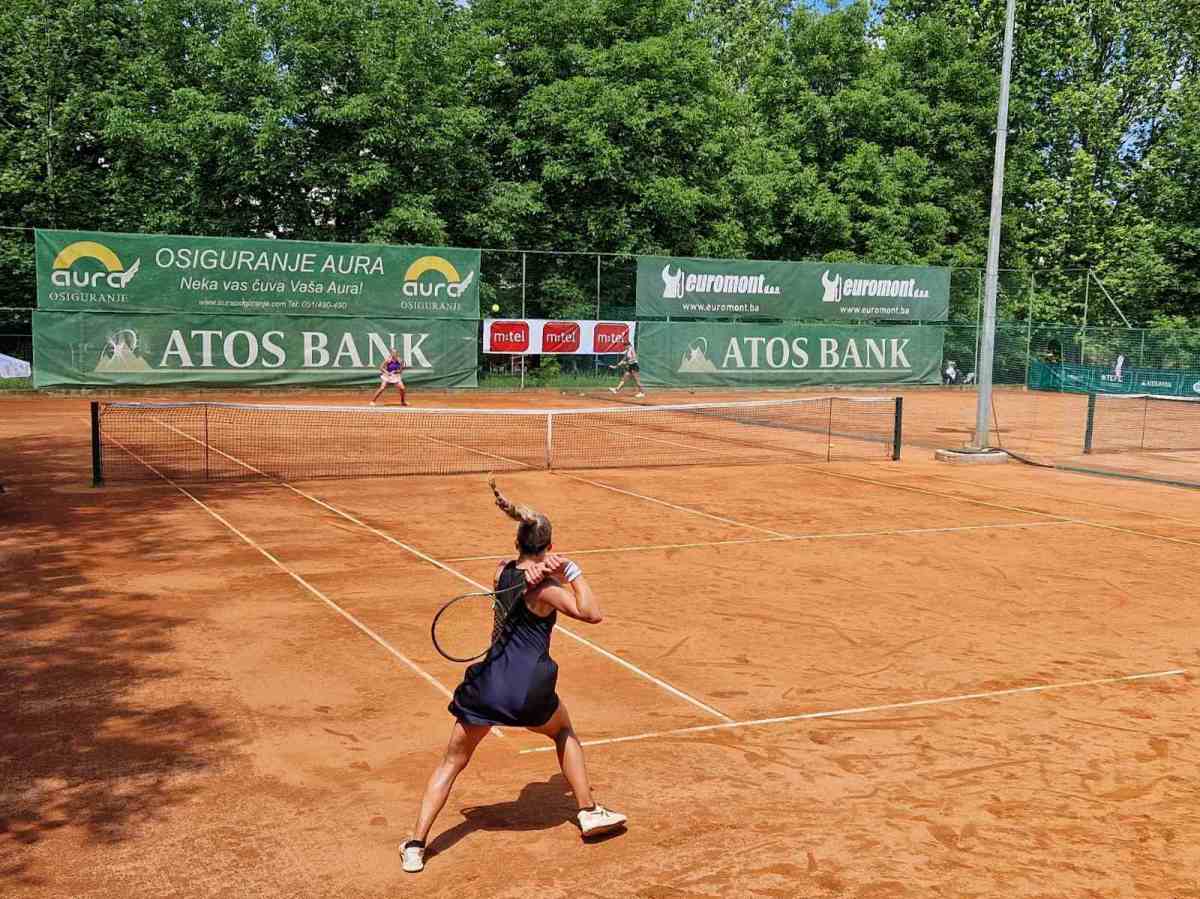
(541, 805)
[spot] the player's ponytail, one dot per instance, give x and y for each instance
(533, 532)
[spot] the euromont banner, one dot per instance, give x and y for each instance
(678, 287)
(744, 354)
(90, 271)
(86, 348)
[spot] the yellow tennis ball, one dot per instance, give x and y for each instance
(495, 307)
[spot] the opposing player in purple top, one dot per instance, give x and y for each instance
(391, 371)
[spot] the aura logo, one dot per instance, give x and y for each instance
(451, 284)
(64, 272)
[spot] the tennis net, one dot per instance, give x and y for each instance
(237, 441)
(1141, 422)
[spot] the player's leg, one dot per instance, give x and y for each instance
(593, 819)
(400, 387)
(570, 753)
(382, 388)
(641, 391)
(464, 739)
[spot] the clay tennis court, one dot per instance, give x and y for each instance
(846, 679)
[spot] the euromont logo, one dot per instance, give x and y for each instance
(451, 284)
(680, 284)
(65, 273)
(755, 354)
(838, 288)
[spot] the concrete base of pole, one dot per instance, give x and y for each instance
(971, 457)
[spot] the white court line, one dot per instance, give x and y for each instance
(863, 710)
(662, 502)
(438, 685)
(650, 547)
(639, 436)
(525, 466)
(896, 485)
(675, 691)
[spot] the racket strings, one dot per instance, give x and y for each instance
(505, 602)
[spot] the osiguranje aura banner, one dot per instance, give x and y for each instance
(153, 349)
(747, 354)
(84, 271)
(680, 287)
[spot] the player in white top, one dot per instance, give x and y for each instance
(629, 368)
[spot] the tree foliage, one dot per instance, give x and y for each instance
(706, 127)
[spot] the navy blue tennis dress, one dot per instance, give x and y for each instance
(514, 683)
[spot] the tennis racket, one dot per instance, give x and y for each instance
(465, 628)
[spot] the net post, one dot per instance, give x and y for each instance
(97, 469)
(206, 445)
(1091, 423)
(829, 434)
(898, 429)
(549, 440)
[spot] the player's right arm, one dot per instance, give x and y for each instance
(568, 591)
(575, 600)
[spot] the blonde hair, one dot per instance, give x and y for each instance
(534, 531)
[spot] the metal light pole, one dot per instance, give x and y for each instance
(984, 404)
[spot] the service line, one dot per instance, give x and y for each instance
(786, 538)
(864, 710)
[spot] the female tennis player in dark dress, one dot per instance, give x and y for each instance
(515, 683)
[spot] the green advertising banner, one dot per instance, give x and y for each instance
(679, 287)
(1101, 379)
(744, 354)
(87, 271)
(149, 349)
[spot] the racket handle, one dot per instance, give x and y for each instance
(571, 572)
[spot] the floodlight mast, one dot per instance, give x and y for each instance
(987, 344)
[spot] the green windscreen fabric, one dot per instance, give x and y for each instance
(146, 349)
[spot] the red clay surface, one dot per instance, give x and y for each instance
(185, 716)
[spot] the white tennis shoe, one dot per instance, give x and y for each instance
(612, 390)
(598, 820)
(638, 395)
(413, 854)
